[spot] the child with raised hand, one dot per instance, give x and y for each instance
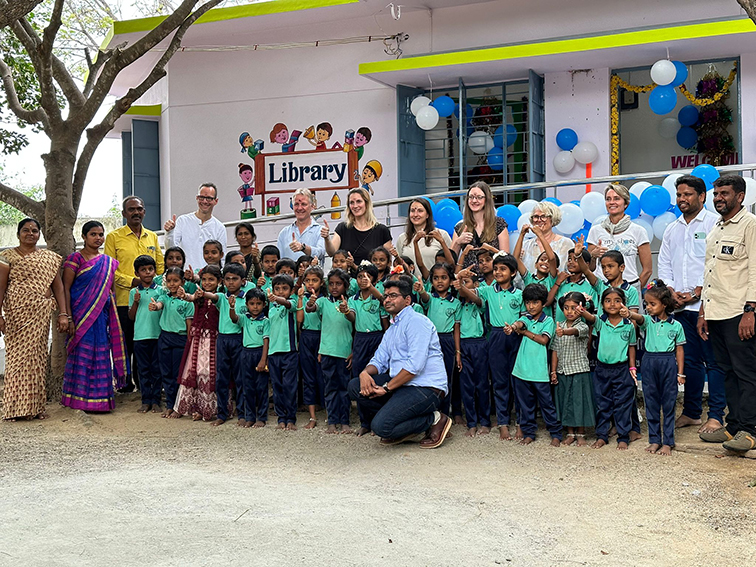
(445, 252)
(196, 393)
(663, 364)
(381, 259)
(473, 358)
(335, 348)
(212, 253)
(370, 320)
(269, 256)
(175, 324)
(253, 371)
(282, 357)
(546, 265)
(531, 369)
(313, 390)
(445, 312)
(614, 379)
(571, 280)
(344, 260)
(175, 257)
(571, 372)
(146, 332)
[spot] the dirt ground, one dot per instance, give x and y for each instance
(135, 489)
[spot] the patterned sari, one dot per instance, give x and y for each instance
(88, 382)
(28, 306)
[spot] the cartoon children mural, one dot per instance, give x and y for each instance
(322, 133)
(252, 147)
(247, 188)
(371, 172)
(361, 138)
(280, 135)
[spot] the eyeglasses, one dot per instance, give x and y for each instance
(476, 197)
(539, 217)
(392, 295)
(203, 198)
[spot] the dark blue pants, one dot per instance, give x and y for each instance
(283, 377)
(170, 350)
(227, 355)
(527, 394)
(473, 382)
(449, 351)
(615, 389)
(254, 385)
(634, 416)
(502, 352)
(336, 379)
(364, 346)
(404, 411)
(660, 394)
(313, 392)
(700, 365)
(146, 360)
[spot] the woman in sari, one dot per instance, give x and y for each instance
(95, 333)
(29, 279)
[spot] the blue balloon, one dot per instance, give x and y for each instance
(511, 134)
(498, 137)
(496, 159)
(554, 200)
(566, 139)
(634, 208)
(654, 200)
(687, 137)
(675, 209)
(447, 218)
(444, 105)
(510, 214)
(446, 204)
(662, 99)
(706, 172)
(468, 111)
(582, 232)
(688, 115)
(432, 204)
(681, 75)
(587, 225)
(576, 202)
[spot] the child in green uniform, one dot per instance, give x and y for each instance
(283, 359)
(571, 280)
(176, 258)
(546, 265)
(531, 370)
(236, 257)
(269, 256)
(381, 259)
(343, 260)
(313, 392)
(613, 267)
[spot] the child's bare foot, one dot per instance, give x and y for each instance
(291, 427)
(196, 416)
(685, 421)
(458, 420)
(331, 429)
(217, 422)
(471, 432)
(666, 450)
(242, 422)
(612, 432)
(311, 424)
(346, 430)
(555, 442)
(156, 408)
(710, 426)
(167, 413)
(598, 444)
(258, 424)
(581, 442)
(518, 434)
(634, 436)
(281, 426)
(362, 431)
(622, 446)
(504, 434)
(569, 440)
(652, 448)
(526, 441)
(484, 430)
(144, 408)
(176, 415)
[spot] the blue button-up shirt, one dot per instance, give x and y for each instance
(411, 344)
(311, 237)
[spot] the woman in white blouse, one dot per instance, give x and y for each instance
(546, 216)
(420, 219)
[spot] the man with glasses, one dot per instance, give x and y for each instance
(400, 391)
(192, 230)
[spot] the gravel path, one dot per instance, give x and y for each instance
(139, 490)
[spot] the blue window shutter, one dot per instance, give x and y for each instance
(127, 164)
(411, 147)
(536, 154)
(145, 149)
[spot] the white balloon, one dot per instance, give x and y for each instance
(710, 201)
(669, 185)
(480, 142)
(585, 152)
(668, 128)
(638, 188)
(663, 72)
(417, 103)
(527, 206)
(564, 162)
(662, 222)
(646, 226)
(427, 117)
(592, 204)
(599, 219)
(513, 237)
(572, 218)
(750, 196)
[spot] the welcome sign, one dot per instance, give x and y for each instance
(315, 170)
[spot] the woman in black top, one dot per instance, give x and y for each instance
(361, 232)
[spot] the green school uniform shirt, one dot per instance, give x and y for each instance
(613, 340)
(631, 295)
(662, 336)
(503, 305)
(471, 321)
(444, 312)
(255, 329)
(248, 284)
(268, 285)
(225, 325)
(582, 286)
(367, 312)
(283, 328)
(337, 340)
(311, 321)
(532, 362)
(354, 287)
(146, 322)
(174, 314)
(531, 278)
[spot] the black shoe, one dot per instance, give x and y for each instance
(126, 389)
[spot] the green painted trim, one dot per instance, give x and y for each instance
(145, 109)
(230, 13)
(559, 46)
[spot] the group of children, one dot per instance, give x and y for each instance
(197, 335)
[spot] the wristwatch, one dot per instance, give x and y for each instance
(694, 296)
(386, 388)
(747, 308)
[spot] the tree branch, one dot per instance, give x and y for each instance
(25, 204)
(37, 116)
(16, 10)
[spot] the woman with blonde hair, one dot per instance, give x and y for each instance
(545, 216)
(479, 224)
(361, 232)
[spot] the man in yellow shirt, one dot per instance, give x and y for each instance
(124, 245)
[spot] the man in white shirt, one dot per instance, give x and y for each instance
(681, 266)
(192, 230)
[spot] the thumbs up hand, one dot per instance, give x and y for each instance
(466, 236)
(153, 305)
(344, 306)
(170, 224)
(232, 302)
(137, 296)
(294, 245)
(189, 274)
(325, 232)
